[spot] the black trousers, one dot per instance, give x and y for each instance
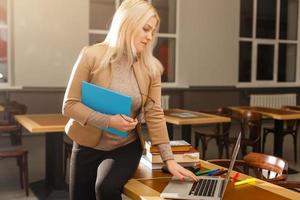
(101, 175)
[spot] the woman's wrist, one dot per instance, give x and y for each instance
(165, 151)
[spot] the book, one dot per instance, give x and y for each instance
(181, 156)
(145, 161)
(176, 145)
(106, 101)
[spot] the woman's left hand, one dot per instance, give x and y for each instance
(179, 171)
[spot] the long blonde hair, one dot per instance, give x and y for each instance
(130, 18)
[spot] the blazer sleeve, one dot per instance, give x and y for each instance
(154, 117)
(72, 106)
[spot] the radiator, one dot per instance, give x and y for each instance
(165, 101)
(273, 100)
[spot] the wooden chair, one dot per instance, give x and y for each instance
(290, 128)
(251, 132)
(10, 110)
(262, 166)
(292, 185)
(20, 154)
(220, 134)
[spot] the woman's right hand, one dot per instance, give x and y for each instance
(118, 122)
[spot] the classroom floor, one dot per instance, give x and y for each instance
(9, 181)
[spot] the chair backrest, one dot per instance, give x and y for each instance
(262, 166)
(267, 167)
(225, 112)
(14, 108)
(293, 185)
(251, 126)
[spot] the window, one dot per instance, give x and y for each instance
(268, 43)
(4, 40)
(101, 13)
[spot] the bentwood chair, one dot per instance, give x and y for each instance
(17, 152)
(266, 167)
(10, 110)
(251, 132)
(292, 185)
(220, 134)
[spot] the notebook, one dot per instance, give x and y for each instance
(106, 101)
(208, 188)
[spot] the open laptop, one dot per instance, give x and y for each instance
(208, 188)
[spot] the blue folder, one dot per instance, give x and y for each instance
(106, 101)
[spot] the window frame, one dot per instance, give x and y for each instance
(276, 41)
(174, 36)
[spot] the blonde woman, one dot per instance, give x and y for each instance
(102, 163)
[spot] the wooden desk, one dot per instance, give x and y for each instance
(53, 126)
(200, 118)
(148, 185)
(279, 115)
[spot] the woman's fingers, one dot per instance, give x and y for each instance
(190, 174)
(122, 123)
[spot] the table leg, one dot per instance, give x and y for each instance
(54, 180)
(186, 131)
(170, 130)
(54, 161)
(278, 138)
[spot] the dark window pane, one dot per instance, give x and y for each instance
(3, 8)
(167, 12)
(245, 61)
(96, 38)
(288, 19)
(265, 62)
(101, 13)
(246, 18)
(287, 62)
(165, 52)
(266, 19)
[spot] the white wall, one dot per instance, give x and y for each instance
(48, 35)
(208, 44)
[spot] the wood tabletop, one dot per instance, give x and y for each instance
(39, 123)
(173, 116)
(148, 185)
(274, 113)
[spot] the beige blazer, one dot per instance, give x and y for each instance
(87, 69)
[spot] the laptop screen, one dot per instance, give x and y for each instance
(233, 158)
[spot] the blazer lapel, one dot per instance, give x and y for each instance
(142, 79)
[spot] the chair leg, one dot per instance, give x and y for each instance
(204, 147)
(265, 134)
(220, 145)
(196, 137)
(26, 184)
(20, 165)
(226, 145)
(295, 146)
(244, 150)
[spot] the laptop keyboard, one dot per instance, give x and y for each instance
(204, 187)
